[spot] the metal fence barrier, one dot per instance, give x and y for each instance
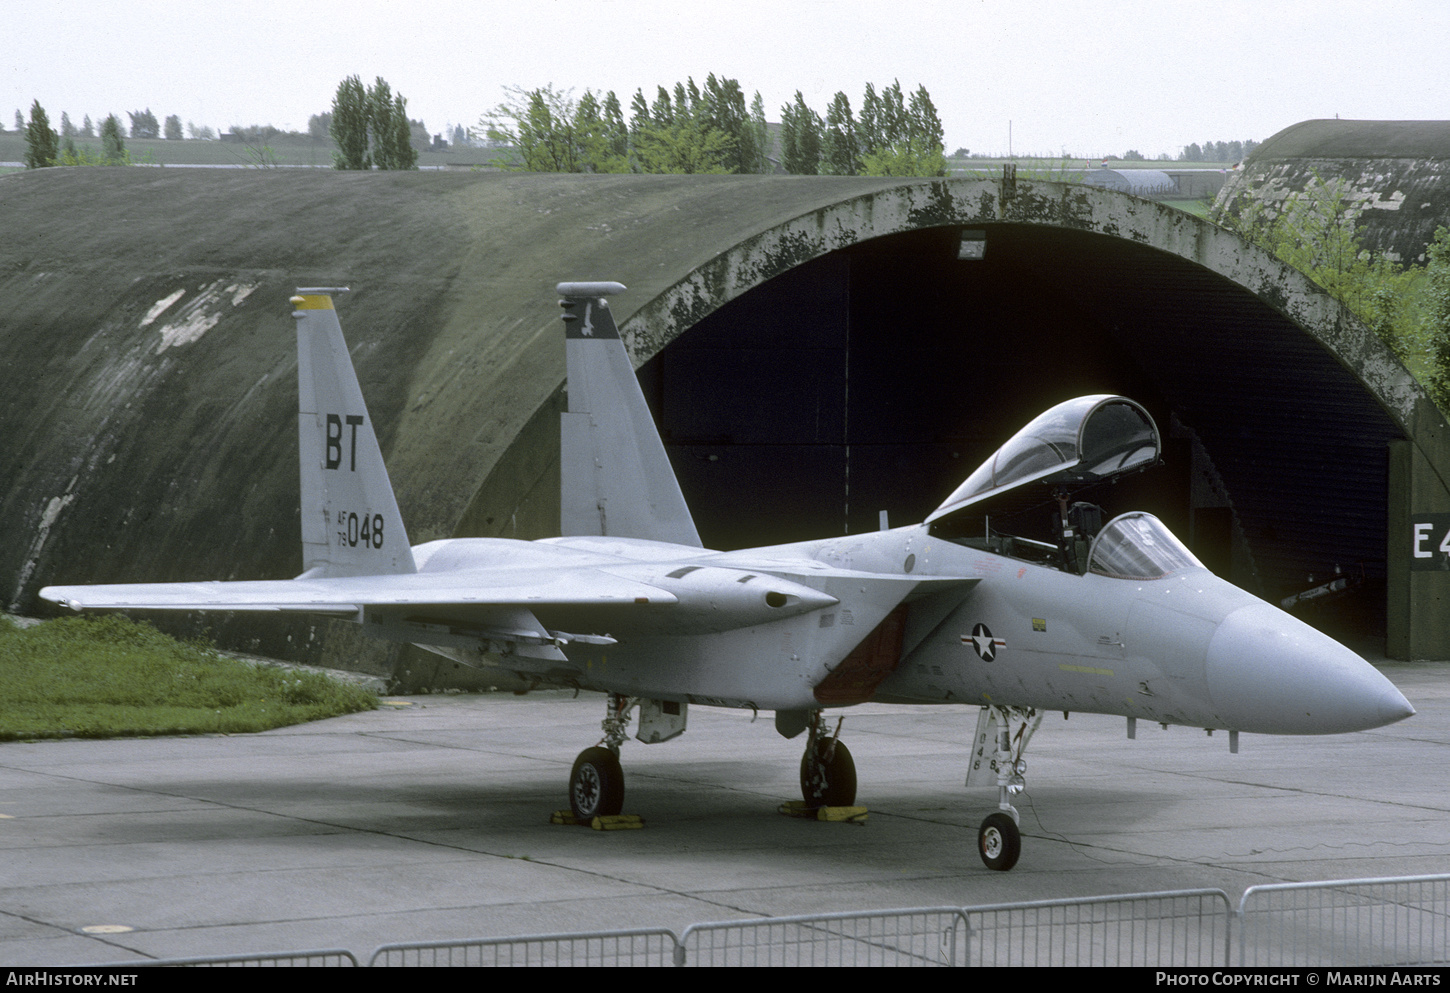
(311, 957)
(929, 936)
(1178, 928)
(1347, 922)
(642, 946)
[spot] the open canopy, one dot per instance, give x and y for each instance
(1086, 440)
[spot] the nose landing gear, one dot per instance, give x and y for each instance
(998, 756)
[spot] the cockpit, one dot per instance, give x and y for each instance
(1075, 445)
(1138, 546)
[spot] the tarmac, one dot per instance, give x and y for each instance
(429, 819)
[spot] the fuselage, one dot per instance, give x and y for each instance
(952, 624)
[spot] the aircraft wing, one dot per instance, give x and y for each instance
(345, 596)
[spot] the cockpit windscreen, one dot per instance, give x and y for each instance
(1138, 546)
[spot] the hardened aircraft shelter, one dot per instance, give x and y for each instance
(817, 350)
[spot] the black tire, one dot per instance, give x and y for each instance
(999, 842)
(828, 781)
(596, 784)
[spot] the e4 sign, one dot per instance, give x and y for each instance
(1430, 542)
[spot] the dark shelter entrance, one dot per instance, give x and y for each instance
(878, 376)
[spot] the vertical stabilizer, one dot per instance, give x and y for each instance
(350, 520)
(617, 480)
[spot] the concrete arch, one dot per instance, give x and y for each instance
(1265, 290)
(963, 204)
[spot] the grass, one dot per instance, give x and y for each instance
(1198, 208)
(104, 677)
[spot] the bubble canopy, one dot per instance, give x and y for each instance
(1085, 440)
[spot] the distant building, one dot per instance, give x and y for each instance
(1139, 182)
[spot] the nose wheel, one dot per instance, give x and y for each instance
(999, 842)
(1002, 737)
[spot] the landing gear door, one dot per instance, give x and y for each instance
(661, 720)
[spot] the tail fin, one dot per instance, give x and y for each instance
(350, 520)
(617, 480)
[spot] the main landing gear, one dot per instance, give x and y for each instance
(596, 784)
(997, 755)
(828, 773)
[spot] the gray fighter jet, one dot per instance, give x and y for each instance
(1105, 616)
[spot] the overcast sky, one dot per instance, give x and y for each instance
(1088, 77)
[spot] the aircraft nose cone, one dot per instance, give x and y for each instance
(1272, 674)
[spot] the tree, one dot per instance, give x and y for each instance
(686, 147)
(662, 112)
(600, 144)
(395, 134)
(925, 134)
(894, 124)
(904, 159)
(1437, 317)
(350, 125)
(42, 145)
(722, 107)
(173, 128)
(319, 126)
(67, 129)
(695, 131)
(615, 129)
(539, 124)
(761, 133)
(900, 137)
(88, 130)
(800, 137)
(639, 118)
(841, 149)
(391, 131)
(924, 125)
(113, 148)
(19, 121)
(868, 127)
(144, 124)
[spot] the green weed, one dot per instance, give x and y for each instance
(99, 677)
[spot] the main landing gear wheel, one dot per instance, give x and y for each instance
(999, 842)
(596, 785)
(828, 774)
